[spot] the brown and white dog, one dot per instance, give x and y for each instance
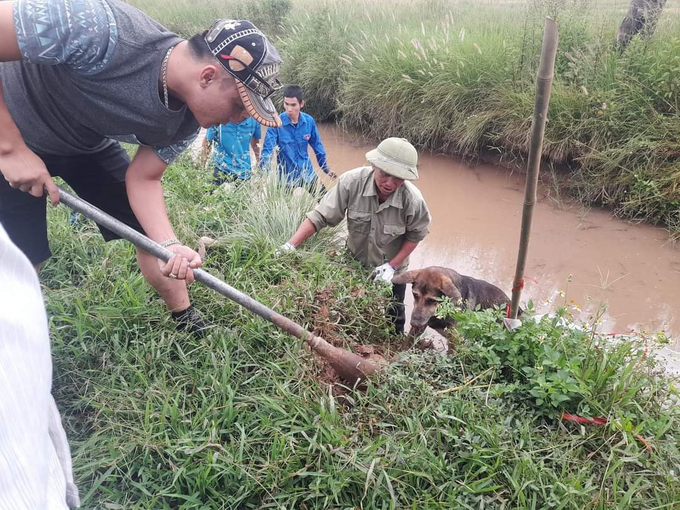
(434, 282)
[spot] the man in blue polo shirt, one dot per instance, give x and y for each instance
(297, 132)
(231, 155)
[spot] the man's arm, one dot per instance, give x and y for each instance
(406, 249)
(83, 47)
(9, 47)
(254, 144)
(304, 232)
(330, 211)
(145, 193)
(270, 141)
(319, 151)
(18, 164)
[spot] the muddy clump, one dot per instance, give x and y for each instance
(328, 324)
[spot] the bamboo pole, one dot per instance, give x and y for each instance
(543, 86)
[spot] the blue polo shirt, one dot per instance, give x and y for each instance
(293, 141)
(231, 143)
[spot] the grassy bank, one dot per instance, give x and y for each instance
(245, 418)
(457, 76)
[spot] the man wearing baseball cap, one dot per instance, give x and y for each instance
(386, 215)
(77, 77)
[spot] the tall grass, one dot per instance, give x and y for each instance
(243, 418)
(188, 17)
(458, 77)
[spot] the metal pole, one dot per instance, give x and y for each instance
(349, 366)
(543, 87)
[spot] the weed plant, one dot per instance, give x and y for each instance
(240, 419)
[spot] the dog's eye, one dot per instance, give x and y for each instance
(431, 301)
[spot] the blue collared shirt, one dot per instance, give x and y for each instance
(293, 141)
(231, 144)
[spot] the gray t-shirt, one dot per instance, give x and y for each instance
(90, 74)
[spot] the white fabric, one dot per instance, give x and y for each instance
(35, 461)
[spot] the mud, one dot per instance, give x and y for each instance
(324, 326)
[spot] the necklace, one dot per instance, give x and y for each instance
(164, 73)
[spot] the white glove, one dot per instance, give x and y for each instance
(288, 247)
(383, 273)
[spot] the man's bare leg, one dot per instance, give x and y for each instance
(173, 292)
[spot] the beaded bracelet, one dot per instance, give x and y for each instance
(170, 242)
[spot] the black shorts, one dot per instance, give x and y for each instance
(98, 178)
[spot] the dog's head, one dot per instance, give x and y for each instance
(428, 285)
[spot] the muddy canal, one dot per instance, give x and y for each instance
(576, 254)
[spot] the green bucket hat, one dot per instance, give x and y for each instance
(397, 157)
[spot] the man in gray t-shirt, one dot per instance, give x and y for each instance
(77, 76)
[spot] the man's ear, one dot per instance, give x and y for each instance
(407, 277)
(208, 75)
(449, 289)
(302, 104)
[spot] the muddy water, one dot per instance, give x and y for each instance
(575, 254)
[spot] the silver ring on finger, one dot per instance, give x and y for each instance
(172, 275)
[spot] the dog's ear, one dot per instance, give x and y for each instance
(407, 277)
(449, 289)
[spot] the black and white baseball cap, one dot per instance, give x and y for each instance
(249, 57)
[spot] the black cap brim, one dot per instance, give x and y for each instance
(262, 110)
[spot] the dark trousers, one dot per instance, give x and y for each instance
(98, 178)
(397, 310)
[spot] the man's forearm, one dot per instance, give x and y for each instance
(322, 161)
(304, 232)
(145, 192)
(10, 137)
(406, 249)
(256, 150)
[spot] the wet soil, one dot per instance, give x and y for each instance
(378, 352)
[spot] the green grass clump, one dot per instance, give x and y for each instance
(244, 418)
(187, 17)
